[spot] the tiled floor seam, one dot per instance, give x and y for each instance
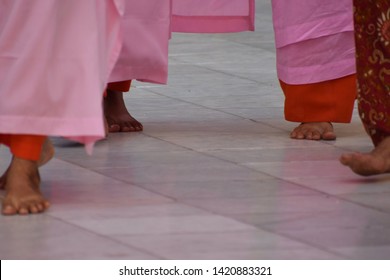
(104, 236)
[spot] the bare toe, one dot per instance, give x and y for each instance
(23, 211)
(328, 133)
(297, 134)
(345, 159)
(293, 134)
(40, 207)
(373, 163)
(114, 128)
(314, 131)
(33, 209)
(8, 210)
(329, 136)
(127, 128)
(316, 137)
(131, 126)
(310, 135)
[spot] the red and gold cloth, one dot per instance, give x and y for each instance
(372, 37)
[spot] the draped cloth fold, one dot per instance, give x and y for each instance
(315, 58)
(372, 35)
(55, 60)
(213, 16)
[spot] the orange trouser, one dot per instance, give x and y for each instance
(24, 146)
(122, 86)
(329, 101)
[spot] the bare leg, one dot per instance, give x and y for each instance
(46, 155)
(106, 130)
(373, 163)
(47, 152)
(117, 116)
(314, 131)
(22, 189)
(3, 179)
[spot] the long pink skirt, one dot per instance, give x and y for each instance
(314, 40)
(146, 27)
(55, 60)
(145, 33)
(212, 16)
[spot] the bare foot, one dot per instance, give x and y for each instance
(314, 131)
(22, 189)
(373, 163)
(117, 116)
(46, 155)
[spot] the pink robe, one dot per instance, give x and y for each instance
(56, 57)
(314, 40)
(146, 27)
(145, 33)
(212, 16)
(55, 60)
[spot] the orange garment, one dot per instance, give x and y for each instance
(329, 101)
(122, 86)
(24, 146)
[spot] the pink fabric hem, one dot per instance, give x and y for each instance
(212, 24)
(52, 86)
(312, 30)
(153, 74)
(316, 73)
(300, 20)
(76, 127)
(145, 31)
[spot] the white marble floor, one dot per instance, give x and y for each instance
(213, 176)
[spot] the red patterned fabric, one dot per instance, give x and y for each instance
(372, 35)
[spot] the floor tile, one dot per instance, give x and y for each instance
(274, 204)
(223, 189)
(236, 245)
(162, 225)
(43, 237)
(336, 238)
